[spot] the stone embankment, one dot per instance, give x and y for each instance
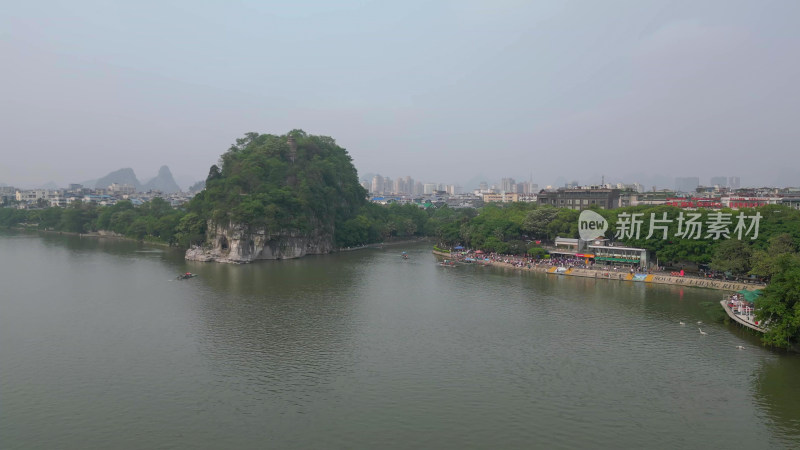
(657, 278)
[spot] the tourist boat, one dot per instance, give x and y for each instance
(404, 255)
(186, 275)
(447, 263)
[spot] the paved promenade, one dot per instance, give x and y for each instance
(658, 278)
(747, 320)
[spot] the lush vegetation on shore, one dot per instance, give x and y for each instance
(503, 228)
(513, 228)
(155, 220)
(296, 183)
(773, 256)
(305, 184)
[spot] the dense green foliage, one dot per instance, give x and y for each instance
(155, 220)
(260, 183)
(778, 233)
(299, 195)
(503, 228)
(779, 306)
(765, 262)
(375, 223)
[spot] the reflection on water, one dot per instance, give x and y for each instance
(777, 389)
(103, 348)
(277, 329)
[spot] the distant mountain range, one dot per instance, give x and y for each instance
(121, 176)
(162, 182)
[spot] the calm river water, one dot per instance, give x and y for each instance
(100, 348)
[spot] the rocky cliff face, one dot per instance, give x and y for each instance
(236, 243)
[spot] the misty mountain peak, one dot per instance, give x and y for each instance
(121, 177)
(162, 182)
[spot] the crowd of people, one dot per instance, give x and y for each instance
(572, 262)
(557, 261)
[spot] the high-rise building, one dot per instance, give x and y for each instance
(377, 184)
(409, 185)
(719, 181)
(734, 182)
(508, 185)
(526, 187)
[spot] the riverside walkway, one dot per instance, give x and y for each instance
(747, 320)
(607, 273)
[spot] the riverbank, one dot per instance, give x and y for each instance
(657, 278)
(94, 234)
(383, 244)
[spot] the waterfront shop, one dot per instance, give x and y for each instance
(573, 250)
(599, 251)
(614, 255)
(568, 246)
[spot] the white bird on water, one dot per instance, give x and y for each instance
(740, 347)
(699, 322)
(702, 332)
(682, 322)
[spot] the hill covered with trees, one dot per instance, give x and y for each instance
(273, 197)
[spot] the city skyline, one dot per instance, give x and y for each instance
(639, 92)
(731, 181)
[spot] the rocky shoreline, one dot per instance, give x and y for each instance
(240, 244)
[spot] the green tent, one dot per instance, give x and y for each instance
(750, 296)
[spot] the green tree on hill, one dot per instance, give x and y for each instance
(264, 182)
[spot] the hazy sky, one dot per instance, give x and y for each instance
(440, 90)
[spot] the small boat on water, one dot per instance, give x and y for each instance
(404, 255)
(186, 275)
(447, 263)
